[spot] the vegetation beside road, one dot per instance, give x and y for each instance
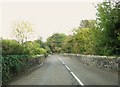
(15, 56)
(94, 37)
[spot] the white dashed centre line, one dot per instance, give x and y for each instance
(76, 78)
(67, 67)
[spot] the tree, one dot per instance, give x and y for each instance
(68, 44)
(117, 26)
(108, 17)
(83, 41)
(55, 42)
(40, 41)
(22, 30)
(42, 44)
(87, 24)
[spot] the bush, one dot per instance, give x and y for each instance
(33, 48)
(16, 56)
(11, 47)
(12, 65)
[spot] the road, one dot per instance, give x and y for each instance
(54, 72)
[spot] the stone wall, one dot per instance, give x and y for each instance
(106, 62)
(34, 61)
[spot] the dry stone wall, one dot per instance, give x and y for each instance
(105, 62)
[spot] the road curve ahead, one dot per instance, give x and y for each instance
(52, 72)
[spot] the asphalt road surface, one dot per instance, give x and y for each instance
(59, 70)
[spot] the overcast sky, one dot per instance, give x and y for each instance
(47, 17)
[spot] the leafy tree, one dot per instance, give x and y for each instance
(83, 41)
(108, 19)
(67, 44)
(39, 41)
(88, 24)
(42, 44)
(22, 30)
(55, 42)
(0, 46)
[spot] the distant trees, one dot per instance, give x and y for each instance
(87, 24)
(39, 41)
(83, 39)
(68, 44)
(98, 37)
(55, 42)
(43, 45)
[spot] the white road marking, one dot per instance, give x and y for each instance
(63, 63)
(60, 59)
(77, 79)
(67, 67)
(41, 64)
